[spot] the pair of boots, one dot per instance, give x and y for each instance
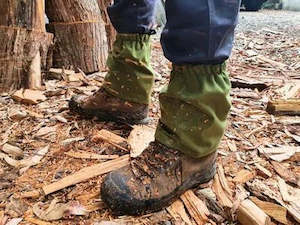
(194, 107)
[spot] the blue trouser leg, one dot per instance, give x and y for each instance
(197, 31)
(133, 16)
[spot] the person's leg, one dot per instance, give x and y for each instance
(197, 39)
(130, 75)
(125, 94)
(196, 102)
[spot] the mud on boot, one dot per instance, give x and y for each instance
(107, 107)
(154, 180)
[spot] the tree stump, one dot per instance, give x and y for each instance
(24, 44)
(80, 36)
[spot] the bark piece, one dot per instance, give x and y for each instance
(223, 180)
(292, 197)
(244, 82)
(249, 213)
(72, 140)
(275, 211)
(86, 173)
(272, 62)
(284, 107)
(195, 207)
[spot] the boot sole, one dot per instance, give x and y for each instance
(136, 207)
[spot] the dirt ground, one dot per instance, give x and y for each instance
(258, 156)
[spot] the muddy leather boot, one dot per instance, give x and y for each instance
(154, 180)
(109, 108)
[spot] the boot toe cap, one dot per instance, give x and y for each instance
(117, 195)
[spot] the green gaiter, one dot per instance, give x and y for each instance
(130, 75)
(194, 108)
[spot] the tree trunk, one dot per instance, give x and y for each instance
(79, 33)
(24, 42)
(110, 30)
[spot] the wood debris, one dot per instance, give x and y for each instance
(284, 107)
(263, 170)
(195, 207)
(275, 211)
(222, 196)
(285, 173)
(86, 173)
(86, 155)
(280, 154)
(243, 176)
(57, 211)
(139, 139)
(29, 96)
(178, 212)
(12, 150)
(249, 213)
(111, 138)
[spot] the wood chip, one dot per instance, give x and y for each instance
(275, 211)
(45, 131)
(284, 107)
(220, 193)
(139, 139)
(285, 173)
(29, 96)
(12, 150)
(178, 212)
(86, 173)
(72, 140)
(110, 138)
(196, 208)
(37, 221)
(30, 194)
(88, 155)
(248, 213)
(263, 170)
(223, 180)
(280, 154)
(244, 82)
(244, 176)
